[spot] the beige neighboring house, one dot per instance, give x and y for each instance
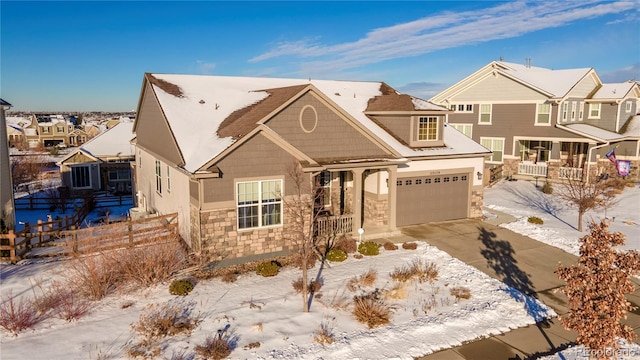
(554, 124)
(217, 150)
(102, 163)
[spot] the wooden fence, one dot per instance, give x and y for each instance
(495, 173)
(23, 245)
(333, 225)
(46, 203)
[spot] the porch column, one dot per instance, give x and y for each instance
(391, 195)
(357, 200)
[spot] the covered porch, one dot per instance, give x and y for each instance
(554, 159)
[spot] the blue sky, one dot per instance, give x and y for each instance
(91, 55)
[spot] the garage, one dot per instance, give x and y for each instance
(422, 199)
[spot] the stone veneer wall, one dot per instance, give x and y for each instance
(609, 168)
(222, 239)
(194, 228)
(477, 201)
(376, 210)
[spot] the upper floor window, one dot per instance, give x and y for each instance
(485, 114)
(428, 128)
(60, 129)
(45, 129)
(259, 203)
(594, 111)
(543, 116)
(466, 129)
(462, 107)
(574, 108)
(496, 145)
(565, 111)
(158, 177)
(168, 180)
(627, 106)
(581, 111)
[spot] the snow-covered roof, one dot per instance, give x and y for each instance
(113, 142)
(613, 91)
(556, 82)
(597, 133)
(632, 127)
(196, 105)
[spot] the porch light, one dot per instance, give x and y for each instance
(479, 175)
(360, 232)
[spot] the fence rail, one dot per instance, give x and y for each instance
(21, 245)
(539, 169)
(570, 173)
(45, 203)
(334, 225)
(495, 173)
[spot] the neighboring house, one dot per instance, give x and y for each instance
(103, 163)
(218, 150)
(52, 130)
(546, 123)
(15, 135)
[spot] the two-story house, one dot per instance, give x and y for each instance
(217, 150)
(546, 123)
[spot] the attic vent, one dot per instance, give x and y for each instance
(337, 94)
(201, 101)
(308, 119)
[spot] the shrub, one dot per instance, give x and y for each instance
(390, 246)
(18, 315)
(313, 285)
(93, 276)
(215, 347)
(369, 248)
(296, 260)
(346, 244)
(535, 220)
(547, 188)
(151, 265)
(324, 334)
(366, 279)
(409, 246)
(358, 256)
(397, 292)
(229, 277)
(417, 269)
(460, 293)
(371, 310)
(180, 287)
(160, 320)
(629, 184)
(337, 255)
(267, 268)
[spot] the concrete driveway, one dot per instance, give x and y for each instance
(521, 262)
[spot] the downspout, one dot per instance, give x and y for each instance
(589, 159)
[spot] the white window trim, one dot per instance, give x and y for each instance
(461, 128)
(158, 174)
(168, 179)
(591, 107)
(537, 123)
(465, 108)
(480, 122)
(429, 119)
(627, 106)
(259, 205)
(581, 113)
(572, 110)
(490, 160)
(88, 166)
(326, 187)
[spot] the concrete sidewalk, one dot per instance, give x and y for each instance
(520, 262)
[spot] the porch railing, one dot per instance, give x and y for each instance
(334, 225)
(570, 173)
(532, 169)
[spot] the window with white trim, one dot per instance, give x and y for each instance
(324, 188)
(581, 112)
(594, 111)
(465, 108)
(80, 177)
(45, 129)
(627, 106)
(574, 108)
(428, 128)
(565, 111)
(466, 129)
(496, 145)
(259, 203)
(485, 114)
(158, 177)
(120, 175)
(543, 116)
(168, 180)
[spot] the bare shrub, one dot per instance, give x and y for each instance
(324, 334)
(358, 256)
(372, 310)
(417, 269)
(160, 320)
(314, 285)
(397, 292)
(429, 304)
(68, 304)
(93, 276)
(409, 246)
(150, 265)
(346, 244)
(460, 293)
(390, 246)
(18, 315)
(215, 347)
(364, 280)
(402, 274)
(229, 277)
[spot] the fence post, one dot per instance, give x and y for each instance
(12, 244)
(130, 227)
(120, 200)
(39, 225)
(74, 237)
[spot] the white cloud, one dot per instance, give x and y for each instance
(205, 67)
(621, 75)
(443, 31)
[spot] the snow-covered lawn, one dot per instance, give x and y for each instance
(269, 311)
(522, 200)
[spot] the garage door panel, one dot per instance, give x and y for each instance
(432, 198)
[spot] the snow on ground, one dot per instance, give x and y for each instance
(522, 199)
(276, 320)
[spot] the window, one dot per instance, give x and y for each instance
(158, 177)
(418, 181)
(408, 182)
(60, 129)
(496, 145)
(427, 181)
(120, 175)
(627, 106)
(436, 180)
(485, 114)
(259, 203)
(168, 180)
(446, 179)
(594, 111)
(80, 177)
(565, 111)
(462, 107)
(428, 128)
(544, 114)
(324, 184)
(574, 107)
(45, 129)
(463, 128)
(534, 150)
(399, 183)
(581, 112)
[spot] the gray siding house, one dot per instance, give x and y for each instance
(547, 123)
(217, 150)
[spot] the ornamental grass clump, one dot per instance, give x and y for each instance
(336, 255)
(267, 268)
(535, 220)
(180, 287)
(369, 248)
(371, 309)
